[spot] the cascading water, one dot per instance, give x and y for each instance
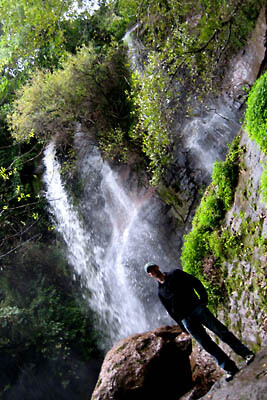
(136, 50)
(109, 238)
(70, 226)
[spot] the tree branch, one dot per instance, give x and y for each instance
(18, 234)
(38, 235)
(23, 155)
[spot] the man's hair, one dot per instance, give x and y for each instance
(148, 266)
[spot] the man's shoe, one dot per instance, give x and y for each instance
(249, 358)
(230, 374)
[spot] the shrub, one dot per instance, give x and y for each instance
(256, 122)
(209, 212)
(193, 252)
(90, 88)
(153, 125)
(256, 113)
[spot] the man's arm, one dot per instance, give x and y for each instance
(200, 289)
(194, 283)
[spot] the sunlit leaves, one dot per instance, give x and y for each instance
(90, 88)
(27, 25)
(153, 117)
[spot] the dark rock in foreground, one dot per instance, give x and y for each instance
(249, 384)
(160, 365)
(153, 365)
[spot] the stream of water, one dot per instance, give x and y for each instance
(109, 237)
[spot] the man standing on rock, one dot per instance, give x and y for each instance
(185, 299)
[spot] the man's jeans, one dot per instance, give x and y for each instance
(194, 325)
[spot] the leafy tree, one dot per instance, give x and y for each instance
(90, 88)
(28, 25)
(153, 118)
(33, 34)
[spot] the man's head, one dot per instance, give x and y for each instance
(152, 270)
(149, 266)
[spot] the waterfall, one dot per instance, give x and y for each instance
(136, 50)
(109, 237)
(69, 225)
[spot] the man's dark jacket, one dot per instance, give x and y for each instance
(178, 294)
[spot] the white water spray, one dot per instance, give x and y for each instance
(69, 225)
(112, 295)
(136, 50)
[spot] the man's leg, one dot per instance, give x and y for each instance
(206, 318)
(199, 333)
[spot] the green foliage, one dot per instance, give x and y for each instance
(256, 122)
(35, 34)
(90, 88)
(43, 317)
(256, 113)
(197, 36)
(194, 251)
(153, 119)
(224, 175)
(210, 212)
(263, 185)
(189, 48)
(21, 206)
(180, 45)
(111, 21)
(38, 33)
(28, 25)
(203, 239)
(113, 144)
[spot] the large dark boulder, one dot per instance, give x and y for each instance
(153, 365)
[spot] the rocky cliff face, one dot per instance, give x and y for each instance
(246, 271)
(249, 384)
(203, 138)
